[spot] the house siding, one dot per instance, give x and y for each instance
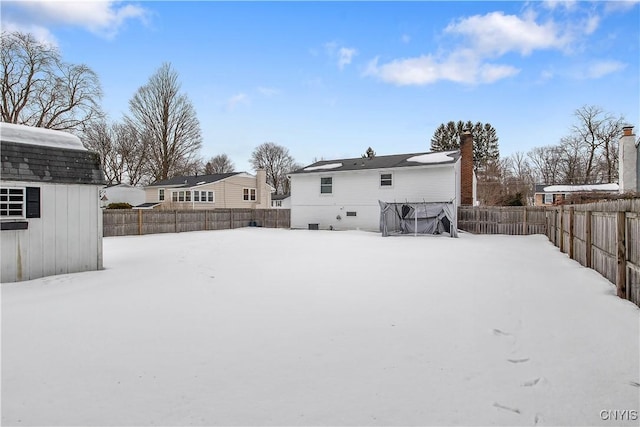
(228, 193)
(67, 238)
(359, 191)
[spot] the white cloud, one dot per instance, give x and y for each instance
(460, 67)
(100, 17)
(556, 4)
(236, 100)
(603, 68)
(41, 34)
(344, 56)
(496, 34)
(620, 6)
(406, 38)
(268, 91)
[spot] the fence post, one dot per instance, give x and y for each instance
(571, 230)
(587, 243)
(206, 217)
(139, 222)
(175, 221)
(524, 221)
(621, 276)
(561, 243)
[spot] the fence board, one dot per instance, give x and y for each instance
(127, 222)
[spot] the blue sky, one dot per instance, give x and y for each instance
(329, 79)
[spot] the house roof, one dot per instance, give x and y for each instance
(279, 196)
(543, 188)
(148, 205)
(192, 181)
(382, 162)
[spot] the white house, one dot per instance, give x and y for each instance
(344, 194)
(50, 218)
(122, 193)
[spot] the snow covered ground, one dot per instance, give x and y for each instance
(279, 327)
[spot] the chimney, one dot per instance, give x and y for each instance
(466, 168)
(261, 189)
(628, 161)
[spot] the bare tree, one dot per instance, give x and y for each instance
(219, 164)
(168, 119)
(122, 151)
(276, 161)
(598, 132)
(545, 162)
(39, 89)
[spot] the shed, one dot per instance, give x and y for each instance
(50, 216)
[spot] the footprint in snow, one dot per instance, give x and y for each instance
(499, 332)
(506, 408)
(634, 383)
(534, 382)
(522, 360)
(538, 420)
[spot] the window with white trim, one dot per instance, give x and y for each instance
(196, 196)
(386, 180)
(326, 185)
(249, 194)
(548, 199)
(12, 202)
(161, 194)
(174, 196)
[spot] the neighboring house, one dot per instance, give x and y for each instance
(345, 193)
(281, 201)
(224, 190)
(629, 161)
(50, 217)
(547, 195)
(122, 193)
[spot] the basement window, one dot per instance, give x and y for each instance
(351, 213)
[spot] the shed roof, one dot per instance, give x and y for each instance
(192, 181)
(382, 162)
(46, 163)
(543, 188)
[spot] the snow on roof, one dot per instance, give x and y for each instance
(588, 187)
(327, 166)
(22, 134)
(431, 158)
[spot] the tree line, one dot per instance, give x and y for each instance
(159, 138)
(588, 154)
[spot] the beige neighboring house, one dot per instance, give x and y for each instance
(224, 190)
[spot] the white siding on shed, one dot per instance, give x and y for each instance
(359, 191)
(67, 238)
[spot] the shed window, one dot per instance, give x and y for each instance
(386, 180)
(161, 194)
(20, 202)
(326, 185)
(249, 194)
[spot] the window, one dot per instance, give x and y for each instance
(196, 196)
(277, 203)
(181, 196)
(351, 213)
(249, 194)
(12, 202)
(187, 196)
(386, 180)
(326, 185)
(174, 196)
(211, 198)
(161, 194)
(548, 199)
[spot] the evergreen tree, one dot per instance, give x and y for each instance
(485, 141)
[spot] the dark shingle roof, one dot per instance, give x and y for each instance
(377, 162)
(192, 181)
(41, 163)
(279, 196)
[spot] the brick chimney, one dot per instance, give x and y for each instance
(628, 161)
(466, 168)
(263, 195)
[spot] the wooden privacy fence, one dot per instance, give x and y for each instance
(513, 220)
(602, 236)
(127, 222)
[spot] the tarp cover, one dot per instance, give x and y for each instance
(418, 218)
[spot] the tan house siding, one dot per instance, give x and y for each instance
(228, 193)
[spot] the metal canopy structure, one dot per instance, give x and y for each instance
(418, 218)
